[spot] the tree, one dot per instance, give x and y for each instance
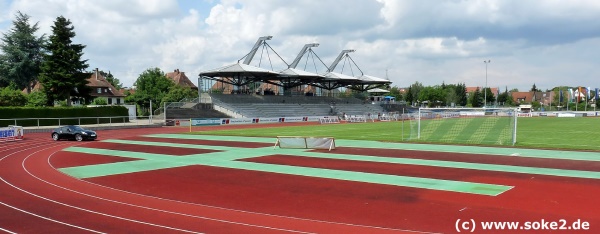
(412, 94)
(22, 53)
(455, 94)
(100, 101)
(11, 96)
(177, 93)
(112, 80)
(535, 89)
(434, 95)
(36, 98)
(489, 95)
(409, 97)
(476, 98)
(151, 85)
(561, 95)
(63, 69)
(503, 97)
(461, 93)
(395, 92)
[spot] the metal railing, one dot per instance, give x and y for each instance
(88, 121)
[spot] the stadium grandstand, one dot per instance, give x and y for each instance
(243, 90)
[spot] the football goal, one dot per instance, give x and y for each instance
(491, 126)
(301, 142)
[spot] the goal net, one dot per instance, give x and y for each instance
(301, 142)
(495, 126)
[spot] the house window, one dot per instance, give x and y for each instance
(99, 90)
(109, 101)
(118, 101)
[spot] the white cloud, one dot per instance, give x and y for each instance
(549, 43)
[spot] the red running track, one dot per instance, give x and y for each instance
(37, 198)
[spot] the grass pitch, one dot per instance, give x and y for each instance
(538, 132)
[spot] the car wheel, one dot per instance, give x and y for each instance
(55, 136)
(78, 137)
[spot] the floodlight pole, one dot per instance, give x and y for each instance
(485, 88)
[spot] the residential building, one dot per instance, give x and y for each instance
(544, 98)
(179, 78)
(101, 88)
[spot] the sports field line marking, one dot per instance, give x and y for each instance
(70, 206)
(408, 161)
(459, 165)
(227, 160)
(484, 151)
(209, 206)
(46, 218)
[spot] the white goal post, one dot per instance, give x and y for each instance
(495, 126)
(300, 142)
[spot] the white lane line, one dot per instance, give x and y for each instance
(28, 147)
(7, 231)
(46, 218)
(82, 209)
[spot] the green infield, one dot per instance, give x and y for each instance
(538, 132)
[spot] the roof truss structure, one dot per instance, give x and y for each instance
(241, 74)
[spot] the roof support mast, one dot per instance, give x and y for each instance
(250, 55)
(301, 54)
(338, 59)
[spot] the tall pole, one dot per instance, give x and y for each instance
(485, 88)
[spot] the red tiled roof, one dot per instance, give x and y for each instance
(97, 80)
(528, 97)
(472, 89)
(34, 85)
(181, 79)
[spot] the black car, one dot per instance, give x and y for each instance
(73, 132)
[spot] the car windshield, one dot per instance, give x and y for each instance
(76, 128)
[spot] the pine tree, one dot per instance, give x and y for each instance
(461, 94)
(112, 79)
(63, 69)
(22, 53)
(409, 96)
(477, 98)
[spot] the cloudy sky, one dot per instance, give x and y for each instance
(546, 42)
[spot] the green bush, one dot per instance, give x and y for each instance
(100, 101)
(48, 116)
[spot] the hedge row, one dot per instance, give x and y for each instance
(49, 116)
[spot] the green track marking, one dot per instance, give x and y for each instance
(176, 145)
(226, 157)
(119, 153)
(460, 165)
(119, 168)
(227, 160)
(415, 182)
(215, 138)
(487, 151)
(409, 161)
